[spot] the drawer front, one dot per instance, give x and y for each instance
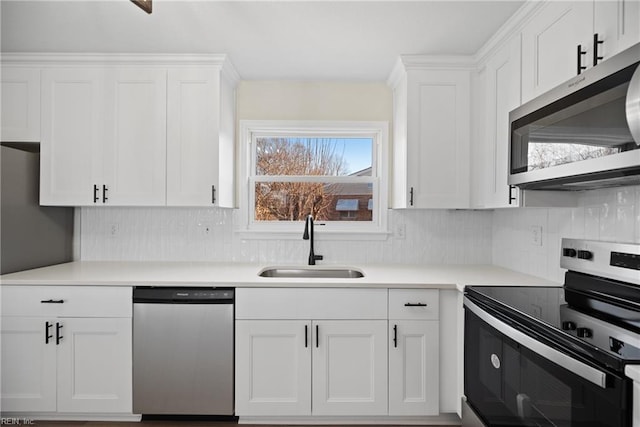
(413, 304)
(66, 301)
(312, 303)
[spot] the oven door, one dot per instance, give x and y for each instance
(509, 384)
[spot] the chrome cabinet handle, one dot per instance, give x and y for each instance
(95, 194)
(416, 304)
(104, 194)
(52, 301)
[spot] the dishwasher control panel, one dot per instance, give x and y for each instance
(192, 295)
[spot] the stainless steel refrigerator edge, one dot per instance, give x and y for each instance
(31, 235)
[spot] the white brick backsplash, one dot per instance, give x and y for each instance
(606, 214)
(165, 234)
(502, 237)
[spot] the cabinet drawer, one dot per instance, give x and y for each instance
(417, 304)
(312, 303)
(77, 301)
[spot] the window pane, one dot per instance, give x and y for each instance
(314, 156)
(293, 201)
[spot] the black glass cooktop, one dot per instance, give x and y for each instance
(567, 320)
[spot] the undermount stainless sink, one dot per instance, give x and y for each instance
(311, 273)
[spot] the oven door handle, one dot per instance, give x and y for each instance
(583, 370)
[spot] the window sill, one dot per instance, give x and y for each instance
(320, 235)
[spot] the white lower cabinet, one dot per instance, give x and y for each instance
(57, 364)
(273, 367)
(338, 361)
(413, 367)
(349, 367)
(288, 367)
(414, 348)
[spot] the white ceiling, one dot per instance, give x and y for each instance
(302, 40)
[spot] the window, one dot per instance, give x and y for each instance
(331, 170)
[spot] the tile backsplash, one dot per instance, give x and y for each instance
(607, 214)
(504, 237)
(207, 234)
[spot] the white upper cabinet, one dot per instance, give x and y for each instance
(200, 137)
(565, 38)
(430, 135)
(118, 133)
(550, 45)
(135, 137)
(20, 105)
(617, 24)
(73, 111)
(500, 94)
(103, 136)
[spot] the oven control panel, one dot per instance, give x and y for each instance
(619, 261)
(624, 260)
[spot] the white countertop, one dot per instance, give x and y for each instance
(127, 273)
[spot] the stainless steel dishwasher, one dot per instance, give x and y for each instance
(183, 351)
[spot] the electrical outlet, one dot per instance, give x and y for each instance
(206, 228)
(113, 229)
(536, 235)
(400, 231)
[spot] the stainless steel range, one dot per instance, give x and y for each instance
(564, 356)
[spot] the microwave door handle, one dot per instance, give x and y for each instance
(582, 370)
(633, 106)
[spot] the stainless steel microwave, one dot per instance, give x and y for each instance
(583, 134)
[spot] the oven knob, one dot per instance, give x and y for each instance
(584, 332)
(568, 326)
(569, 252)
(585, 254)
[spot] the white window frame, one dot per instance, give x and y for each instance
(363, 230)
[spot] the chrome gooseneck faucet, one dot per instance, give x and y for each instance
(308, 235)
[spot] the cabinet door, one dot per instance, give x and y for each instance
(20, 105)
(135, 141)
(617, 24)
(549, 45)
(28, 372)
(438, 138)
(414, 384)
(273, 367)
(192, 136)
(72, 135)
(502, 96)
(94, 365)
(350, 367)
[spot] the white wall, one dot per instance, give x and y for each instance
(607, 214)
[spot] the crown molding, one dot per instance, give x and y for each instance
(510, 28)
(118, 59)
